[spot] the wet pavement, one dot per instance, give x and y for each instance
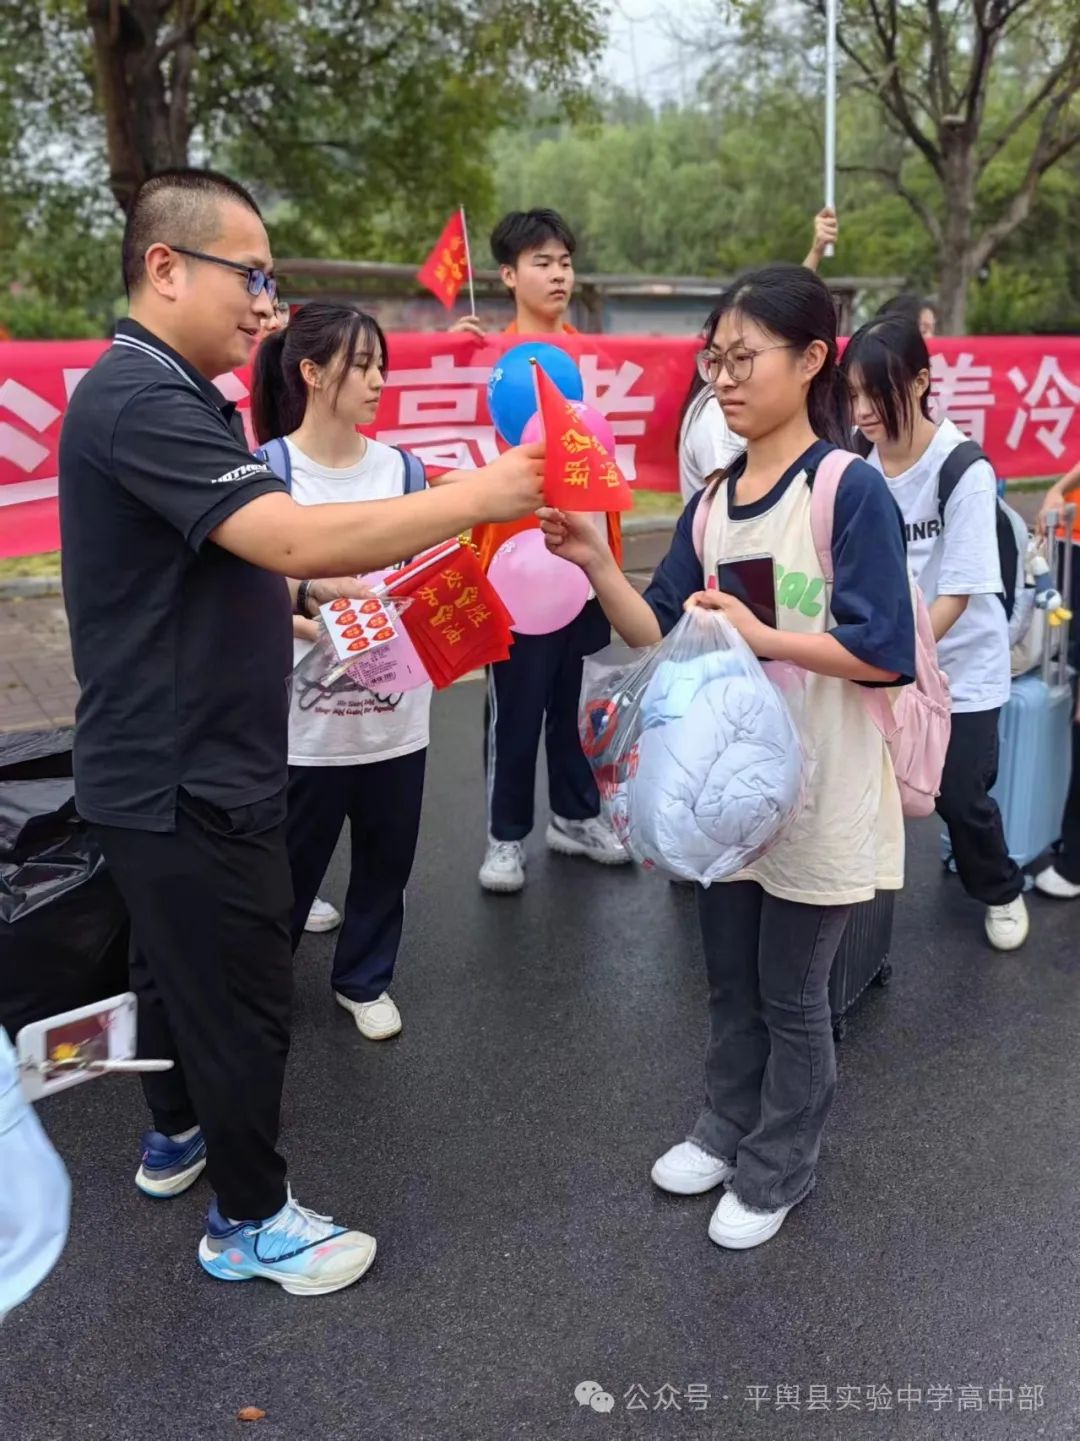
(500, 1148)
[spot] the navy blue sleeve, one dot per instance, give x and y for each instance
(871, 601)
(679, 575)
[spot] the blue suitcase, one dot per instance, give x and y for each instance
(1035, 762)
(1035, 729)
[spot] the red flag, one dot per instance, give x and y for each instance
(578, 472)
(447, 267)
(456, 621)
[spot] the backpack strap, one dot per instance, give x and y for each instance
(958, 461)
(701, 519)
(275, 454)
(824, 486)
(415, 474)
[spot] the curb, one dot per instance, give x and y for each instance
(644, 524)
(29, 587)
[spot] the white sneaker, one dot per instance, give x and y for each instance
(504, 867)
(1052, 883)
(378, 1020)
(687, 1170)
(737, 1228)
(1007, 927)
(322, 917)
(592, 838)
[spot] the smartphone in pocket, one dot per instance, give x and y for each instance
(752, 580)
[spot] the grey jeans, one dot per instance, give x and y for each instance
(770, 1069)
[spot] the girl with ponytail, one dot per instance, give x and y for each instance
(353, 753)
(770, 933)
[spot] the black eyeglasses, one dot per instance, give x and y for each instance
(257, 280)
(740, 365)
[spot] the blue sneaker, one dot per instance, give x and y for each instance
(306, 1254)
(169, 1167)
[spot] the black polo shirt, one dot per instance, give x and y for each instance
(182, 651)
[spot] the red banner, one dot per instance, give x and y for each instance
(1017, 395)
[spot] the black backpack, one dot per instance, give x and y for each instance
(956, 464)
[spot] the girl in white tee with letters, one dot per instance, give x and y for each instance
(354, 753)
(953, 553)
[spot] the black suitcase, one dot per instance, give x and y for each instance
(863, 957)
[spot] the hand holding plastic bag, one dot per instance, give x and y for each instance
(695, 751)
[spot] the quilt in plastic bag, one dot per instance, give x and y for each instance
(695, 750)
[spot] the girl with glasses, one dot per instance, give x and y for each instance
(770, 933)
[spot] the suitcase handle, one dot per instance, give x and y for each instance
(1059, 531)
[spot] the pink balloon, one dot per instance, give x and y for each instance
(540, 590)
(598, 424)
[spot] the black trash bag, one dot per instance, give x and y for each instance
(63, 926)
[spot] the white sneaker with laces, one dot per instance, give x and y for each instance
(503, 870)
(1052, 883)
(378, 1020)
(737, 1228)
(322, 917)
(1007, 927)
(593, 839)
(688, 1170)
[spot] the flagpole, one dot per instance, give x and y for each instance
(468, 262)
(830, 109)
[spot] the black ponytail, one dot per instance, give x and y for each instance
(793, 303)
(273, 410)
(318, 332)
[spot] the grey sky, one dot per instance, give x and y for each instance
(644, 56)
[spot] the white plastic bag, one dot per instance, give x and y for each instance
(696, 754)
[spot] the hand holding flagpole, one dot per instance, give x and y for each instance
(830, 111)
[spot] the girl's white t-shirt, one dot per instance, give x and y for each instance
(962, 559)
(348, 725)
(706, 444)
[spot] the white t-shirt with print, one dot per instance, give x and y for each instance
(706, 444)
(961, 560)
(350, 725)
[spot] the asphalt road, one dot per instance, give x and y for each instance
(500, 1152)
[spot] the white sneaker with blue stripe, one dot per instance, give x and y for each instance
(304, 1253)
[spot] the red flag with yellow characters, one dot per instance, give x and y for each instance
(446, 269)
(579, 474)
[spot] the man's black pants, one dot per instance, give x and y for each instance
(211, 964)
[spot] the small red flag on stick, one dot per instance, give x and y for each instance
(578, 472)
(456, 621)
(449, 265)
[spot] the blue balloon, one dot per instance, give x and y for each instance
(511, 393)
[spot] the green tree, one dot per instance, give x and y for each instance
(969, 90)
(367, 119)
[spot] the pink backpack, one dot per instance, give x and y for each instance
(916, 729)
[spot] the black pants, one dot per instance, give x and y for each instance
(539, 688)
(770, 1070)
(212, 968)
(382, 803)
(976, 832)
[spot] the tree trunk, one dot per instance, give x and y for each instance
(144, 133)
(955, 260)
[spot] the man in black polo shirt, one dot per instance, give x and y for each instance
(175, 542)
